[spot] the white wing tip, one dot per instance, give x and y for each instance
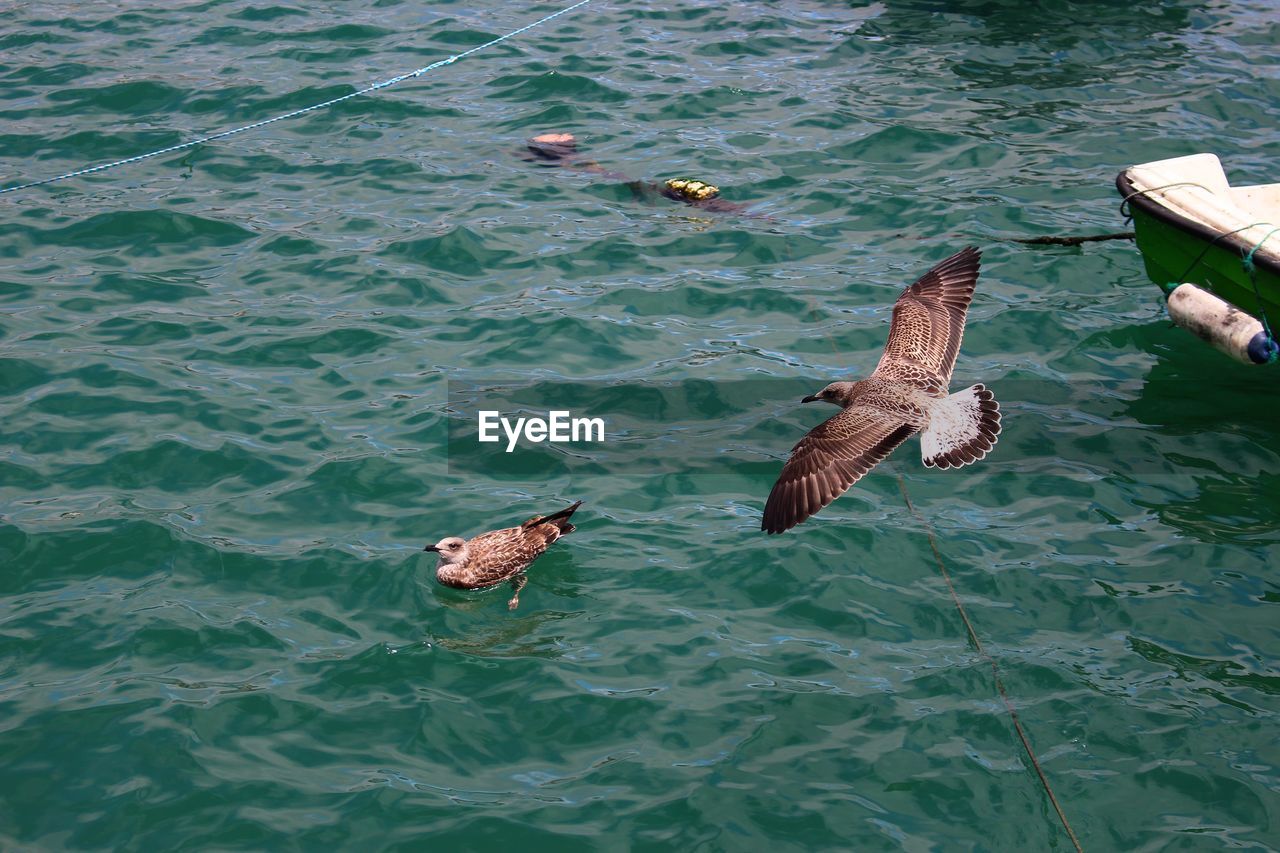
(961, 429)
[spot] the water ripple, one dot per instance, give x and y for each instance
(228, 379)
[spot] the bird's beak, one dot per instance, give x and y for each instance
(432, 548)
(812, 398)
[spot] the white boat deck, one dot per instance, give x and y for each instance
(1196, 187)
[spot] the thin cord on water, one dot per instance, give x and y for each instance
(995, 669)
(294, 113)
(977, 644)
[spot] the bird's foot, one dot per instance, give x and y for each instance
(517, 584)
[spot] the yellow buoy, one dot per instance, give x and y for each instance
(691, 190)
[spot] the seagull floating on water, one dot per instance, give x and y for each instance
(499, 555)
(906, 393)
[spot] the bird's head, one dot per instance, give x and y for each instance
(452, 549)
(837, 393)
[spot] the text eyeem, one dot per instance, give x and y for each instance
(558, 427)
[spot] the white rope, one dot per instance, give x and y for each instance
(257, 124)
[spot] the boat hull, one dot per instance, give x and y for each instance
(1176, 250)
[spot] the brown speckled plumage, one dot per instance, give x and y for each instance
(928, 323)
(906, 393)
(499, 555)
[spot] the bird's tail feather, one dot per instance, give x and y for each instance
(559, 519)
(960, 428)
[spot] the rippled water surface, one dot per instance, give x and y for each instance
(231, 380)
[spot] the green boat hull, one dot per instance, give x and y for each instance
(1176, 250)
(1171, 256)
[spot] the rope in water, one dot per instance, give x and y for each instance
(294, 113)
(995, 669)
(1071, 241)
(977, 644)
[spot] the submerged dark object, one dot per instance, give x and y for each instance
(554, 147)
(561, 149)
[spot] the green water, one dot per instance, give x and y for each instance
(227, 380)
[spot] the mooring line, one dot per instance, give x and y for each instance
(294, 113)
(995, 669)
(973, 638)
(1070, 241)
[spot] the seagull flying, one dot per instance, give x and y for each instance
(907, 393)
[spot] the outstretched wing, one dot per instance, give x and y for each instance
(928, 322)
(831, 458)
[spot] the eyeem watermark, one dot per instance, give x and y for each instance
(744, 429)
(558, 427)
